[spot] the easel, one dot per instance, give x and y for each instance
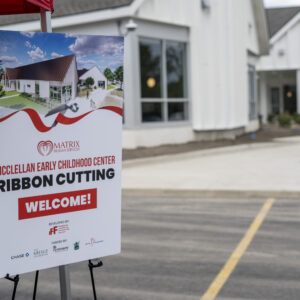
(64, 278)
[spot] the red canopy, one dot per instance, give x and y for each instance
(12, 7)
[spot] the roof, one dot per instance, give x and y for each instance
(48, 70)
(68, 7)
(81, 72)
(278, 17)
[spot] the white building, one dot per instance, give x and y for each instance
(279, 72)
(189, 66)
(100, 80)
(54, 79)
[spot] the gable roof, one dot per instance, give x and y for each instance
(278, 17)
(48, 70)
(81, 72)
(68, 7)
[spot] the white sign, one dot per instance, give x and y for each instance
(61, 102)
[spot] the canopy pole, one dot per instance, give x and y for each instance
(46, 21)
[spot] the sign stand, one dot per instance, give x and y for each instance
(64, 275)
(15, 280)
(35, 284)
(91, 267)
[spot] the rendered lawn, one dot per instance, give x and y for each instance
(111, 86)
(20, 102)
(11, 93)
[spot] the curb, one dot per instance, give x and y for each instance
(205, 152)
(210, 193)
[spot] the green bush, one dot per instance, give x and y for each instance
(2, 93)
(26, 95)
(271, 118)
(285, 120)
(296, 118)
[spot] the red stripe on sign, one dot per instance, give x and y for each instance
(54, 204)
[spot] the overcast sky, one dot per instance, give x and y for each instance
(280, 3)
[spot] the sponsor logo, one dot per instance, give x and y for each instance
(45, 148)
(76, 246)
(58, 229)
(92, 242)
(40, 253)
(22, 255)
(59, 242)
(60, 249)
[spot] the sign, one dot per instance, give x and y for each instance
(61, 99)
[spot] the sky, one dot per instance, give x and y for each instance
(281, 3)
(23, 48)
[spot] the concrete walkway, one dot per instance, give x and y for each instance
(9, 97)
(270, 169)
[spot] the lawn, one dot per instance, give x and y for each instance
(20, 102)
(11, 93)
(111, 86)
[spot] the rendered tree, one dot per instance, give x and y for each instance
(119, 75)
(89, 81)
(109, 74)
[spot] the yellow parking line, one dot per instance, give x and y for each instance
(231, 263)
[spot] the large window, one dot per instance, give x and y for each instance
(55, 93)
(163, 81)
(252, 93)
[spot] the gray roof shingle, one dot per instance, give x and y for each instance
(278, 17)
(68, 7)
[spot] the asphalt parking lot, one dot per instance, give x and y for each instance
(174, 248)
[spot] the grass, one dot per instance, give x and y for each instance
(11, 93)
(111, 86)
(20, 102)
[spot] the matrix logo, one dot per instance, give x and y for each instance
(45, 148)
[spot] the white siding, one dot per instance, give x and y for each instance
(284, 53)
(71, 78)
(96, 74)
(27, 86)
(44, 89)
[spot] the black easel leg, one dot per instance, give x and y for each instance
(15, 280)
(35, 284)
(91, 267)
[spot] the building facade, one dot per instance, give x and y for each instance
(190, 66)
(279, 72)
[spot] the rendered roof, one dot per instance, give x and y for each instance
(66, 8)
(278, 17)
(48, 70)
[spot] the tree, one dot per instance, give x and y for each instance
(89, 81)
(119, 75)
(109, 74)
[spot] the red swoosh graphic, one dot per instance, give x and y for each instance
(61, 119)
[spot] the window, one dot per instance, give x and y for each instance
(150, 62)
(163, 81)
(67, 92)
(275, 100)
(55, 93)
(252, 93)
(18, 85)
(37, 89)
(28, 85)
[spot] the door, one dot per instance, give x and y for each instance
(290, 99)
